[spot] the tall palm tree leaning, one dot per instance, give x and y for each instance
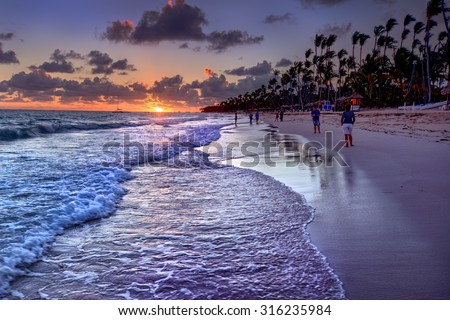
(433, 9)
(377, 31)
(355, 39)
(419, 26)
(390, 24)
(362, 40)
(408, 19)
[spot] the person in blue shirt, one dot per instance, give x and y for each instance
(347, 121)
(315, 113)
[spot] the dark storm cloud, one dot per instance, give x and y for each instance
(260, 69)
(7, 57)
(103, 64)
(339, 30)
(222, 40)
(176, 22)
(288, 17)
(283, 63)
(6, 36)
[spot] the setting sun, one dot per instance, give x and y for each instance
(159, 109)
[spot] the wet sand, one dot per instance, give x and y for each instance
(383, 222)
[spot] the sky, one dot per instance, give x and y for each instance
(175, 55)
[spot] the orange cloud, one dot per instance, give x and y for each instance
(209, 72)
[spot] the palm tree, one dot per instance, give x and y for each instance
(418, 28)
(362, 40)
(408, 19)
(390, 24)
(433, 9)
(342, 64)
(317, 43)
(377, 31)
(299, 69)
(355, 39)
(389, 42)
(446, 19)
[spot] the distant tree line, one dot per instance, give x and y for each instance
(391, 75)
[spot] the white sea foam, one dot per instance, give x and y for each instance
(51, 184)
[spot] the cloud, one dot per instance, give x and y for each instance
(339, 30)
(123, 65)
(40, 86)
(37, 80)
(287, 17)
(59, 62)
(261, 68)
(311, 3)
(176, 22)
(284, 63)
(62, 67)
(100, 90)
(173, 89)
(7, 57)
(103, 64)
(59, 55)
(6, 36)
(222, 40)
(119, 31)
(209, 72)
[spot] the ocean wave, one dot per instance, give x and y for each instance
(96, 198)
(42, 126)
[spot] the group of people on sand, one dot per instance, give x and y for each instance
(347, 121)
(250, 116)
(279, 115)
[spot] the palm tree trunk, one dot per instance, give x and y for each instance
(427, 52)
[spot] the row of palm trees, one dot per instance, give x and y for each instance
(390, 75)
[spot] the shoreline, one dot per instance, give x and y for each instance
(382, 222)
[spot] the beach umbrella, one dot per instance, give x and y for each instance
(356, 96)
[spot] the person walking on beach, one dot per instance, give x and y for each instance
(277, 116)
(250, 116)
(347, 121)
(257, 117)
(281, 115)
(235, 119)
(315, 113)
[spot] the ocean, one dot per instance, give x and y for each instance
(97, 205)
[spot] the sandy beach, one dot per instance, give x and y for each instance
(383, 222)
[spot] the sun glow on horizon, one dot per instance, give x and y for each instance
(159, 109)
